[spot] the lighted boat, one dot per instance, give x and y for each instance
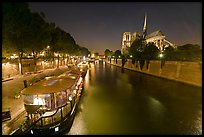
(51, 103)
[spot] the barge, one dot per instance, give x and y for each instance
(51, 104)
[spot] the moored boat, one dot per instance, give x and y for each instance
(51, 103)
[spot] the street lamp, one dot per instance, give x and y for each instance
(161, 55)
(161, 59)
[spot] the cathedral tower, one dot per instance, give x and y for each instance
(145, 27)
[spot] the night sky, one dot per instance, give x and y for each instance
(99, 26)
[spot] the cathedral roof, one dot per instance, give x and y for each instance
(154, 34)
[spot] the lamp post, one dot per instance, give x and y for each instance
(161, 59)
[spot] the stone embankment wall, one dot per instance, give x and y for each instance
(186, 72)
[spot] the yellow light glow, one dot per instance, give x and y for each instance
(92, 55)
(161, 55)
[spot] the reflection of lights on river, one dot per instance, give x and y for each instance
(92, 71)
(79, 127)
(198, 123)
(156, 108)
(86, 82)
(19, 65)
(155, 103)
(56, 61)
(104, 63)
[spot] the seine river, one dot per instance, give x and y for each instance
(116, 102)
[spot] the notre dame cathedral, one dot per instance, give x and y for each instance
(156, 37)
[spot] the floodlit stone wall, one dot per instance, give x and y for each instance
(186, 72)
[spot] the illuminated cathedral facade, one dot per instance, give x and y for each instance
(156, 37)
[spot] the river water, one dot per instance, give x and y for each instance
(116, 102)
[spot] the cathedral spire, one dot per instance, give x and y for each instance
(145, 26)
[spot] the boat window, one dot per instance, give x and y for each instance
(61, 98)
(28, 99)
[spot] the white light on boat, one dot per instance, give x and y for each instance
(56, 129)
(84, 58)
(70, 98)
(31, 131)
(39, 101)
(80, 79)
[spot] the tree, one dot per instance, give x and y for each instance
(108, 53)
(169, 53)
(16, 21)
(39, 35)
(189, 52)
(136, 50)
(117, 53)
(150, 53)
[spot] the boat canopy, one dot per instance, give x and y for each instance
(51, 85)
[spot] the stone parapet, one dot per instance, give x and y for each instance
(186, 72)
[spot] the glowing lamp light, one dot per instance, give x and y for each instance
(70, 98)
(92, 55)
(84, 58)
(56, 129)
(42, 54)
(131, 56)
(161, 55)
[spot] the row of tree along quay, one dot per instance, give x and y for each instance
(26, 33)
(140, 51)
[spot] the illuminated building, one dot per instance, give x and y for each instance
(156, 37)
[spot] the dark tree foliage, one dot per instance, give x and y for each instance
(117, 53)
(108, 53)
(84, 52)
(169, 53)
(151, 52)
(26, 32)
(16, 23)
(137, 48)
(189, 52)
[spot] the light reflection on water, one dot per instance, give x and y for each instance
(131, 103)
